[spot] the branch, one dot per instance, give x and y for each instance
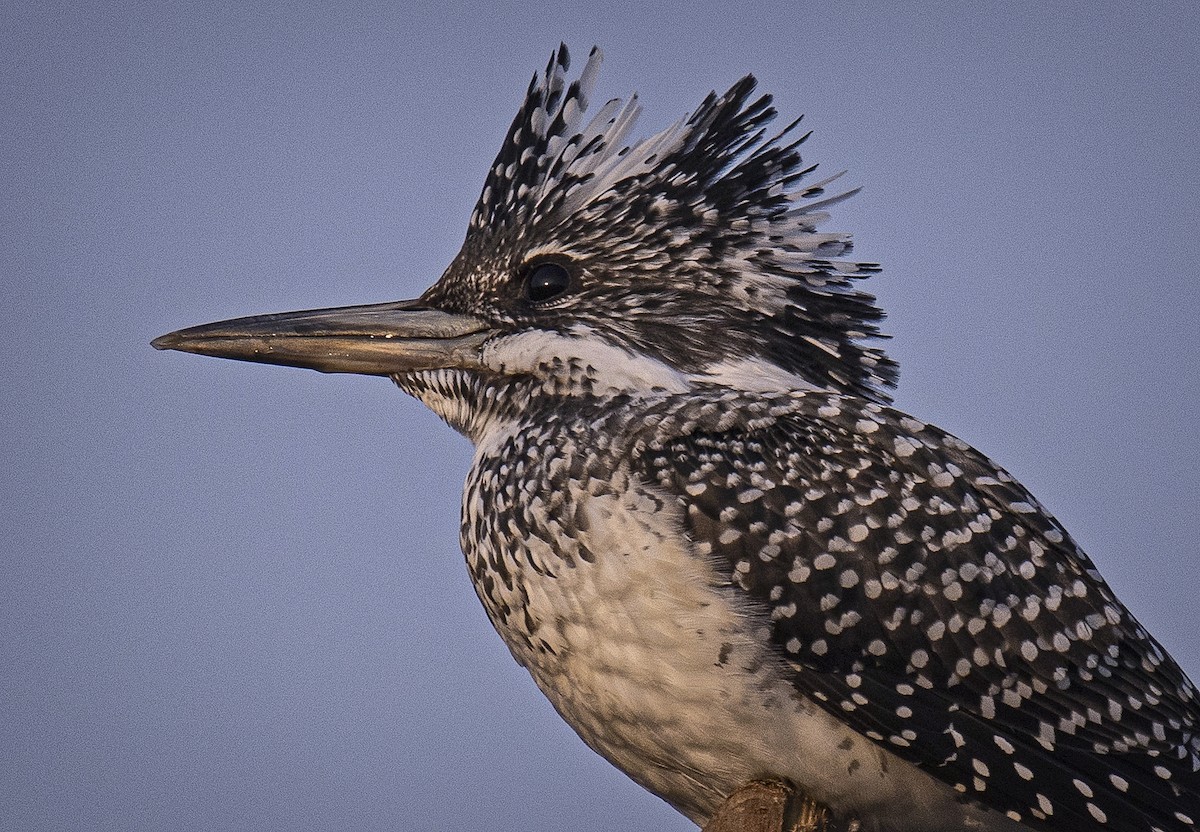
(770, 807)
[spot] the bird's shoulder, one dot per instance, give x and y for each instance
(921, 594)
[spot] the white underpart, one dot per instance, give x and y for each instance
(721, 712)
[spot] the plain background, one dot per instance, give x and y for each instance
(231, 596)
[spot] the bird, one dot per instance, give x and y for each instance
(695, 517)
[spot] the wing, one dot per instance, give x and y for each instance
(923, 597)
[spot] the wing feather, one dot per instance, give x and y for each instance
(924, 597)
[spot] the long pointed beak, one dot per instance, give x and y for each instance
(380, 340)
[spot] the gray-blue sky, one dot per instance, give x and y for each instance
(232, 596)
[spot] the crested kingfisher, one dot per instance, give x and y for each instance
(696, 520)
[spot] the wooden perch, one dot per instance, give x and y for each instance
(769, 807)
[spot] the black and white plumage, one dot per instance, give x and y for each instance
(694, 518)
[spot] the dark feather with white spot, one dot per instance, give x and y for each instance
(924, 597)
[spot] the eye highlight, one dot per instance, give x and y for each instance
(546, 281)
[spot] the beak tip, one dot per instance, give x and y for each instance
(166, 342)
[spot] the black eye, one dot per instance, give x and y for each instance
(546, 281)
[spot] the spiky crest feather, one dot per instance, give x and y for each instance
(698, 244)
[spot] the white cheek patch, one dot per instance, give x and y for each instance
(605, 365)
(754, 375)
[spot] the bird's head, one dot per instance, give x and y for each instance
(593, 266)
